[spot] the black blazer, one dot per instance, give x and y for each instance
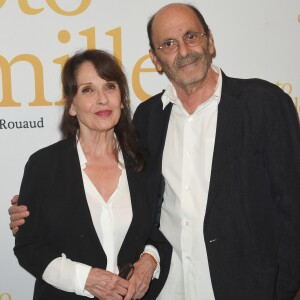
(252, 221)
(60, 221)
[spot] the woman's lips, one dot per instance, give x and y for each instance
(103, 113)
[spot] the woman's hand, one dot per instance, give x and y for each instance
(17, 214)
(106, 285)
(141, 278)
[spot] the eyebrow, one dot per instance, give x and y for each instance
(186, 33)
(85, 83)
(189, 32)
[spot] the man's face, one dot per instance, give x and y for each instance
(187, 65)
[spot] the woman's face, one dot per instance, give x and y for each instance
(97, 103)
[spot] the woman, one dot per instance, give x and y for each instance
(91, 196)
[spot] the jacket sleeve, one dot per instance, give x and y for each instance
(282, 158)
(30, 245)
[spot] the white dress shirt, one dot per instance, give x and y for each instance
(186, 167)
(111, 220)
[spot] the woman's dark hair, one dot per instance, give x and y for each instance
(193, 8)
(108, 68)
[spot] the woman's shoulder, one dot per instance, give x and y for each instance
(54, 150)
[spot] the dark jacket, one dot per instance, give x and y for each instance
(60, 221)
(252, 221)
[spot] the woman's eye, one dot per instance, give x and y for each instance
(87, 90)
(111, 86)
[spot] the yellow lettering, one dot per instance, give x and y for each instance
(82, 7)
(64, 36)
(136, 80)
(299, 18)
(28, 9)
(286, 87)
(5, 296)
(296, 101)
(61, 61)
(117, 42)
(2, 3)
(6, 84)
(90, 37)
(8, 100)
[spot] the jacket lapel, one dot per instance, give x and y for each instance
(229, 129)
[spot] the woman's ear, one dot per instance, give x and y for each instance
(72, 111)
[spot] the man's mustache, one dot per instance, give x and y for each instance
(182, 61)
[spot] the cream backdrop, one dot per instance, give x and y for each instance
(253, 39)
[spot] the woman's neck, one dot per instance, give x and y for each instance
(99, 144)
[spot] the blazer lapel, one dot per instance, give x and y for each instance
(227, 139)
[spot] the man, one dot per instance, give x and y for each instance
(229, 154)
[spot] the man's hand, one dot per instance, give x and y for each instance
(141, 278)
(17, 214)
(105, 285)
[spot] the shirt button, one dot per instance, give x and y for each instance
(188, 258)
(188, 154)
(187, 187)
(187, 223)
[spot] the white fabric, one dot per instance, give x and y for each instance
(153, 251)
(186, 167)
(68, 275)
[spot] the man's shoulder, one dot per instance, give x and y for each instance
(156, 97)
(253, 85)
(151, 102)
(259, 95)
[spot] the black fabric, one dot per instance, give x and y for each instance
(60, 221)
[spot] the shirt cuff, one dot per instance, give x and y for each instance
(153, 251)
(67, 275)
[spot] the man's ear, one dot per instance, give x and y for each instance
(155, 61)
(211, 45)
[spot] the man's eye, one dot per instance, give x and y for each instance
(169, 43)
(191, 37)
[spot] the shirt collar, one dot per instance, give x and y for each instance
(170, 94)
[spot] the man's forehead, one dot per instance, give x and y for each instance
(176, 19)
(176, 31)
